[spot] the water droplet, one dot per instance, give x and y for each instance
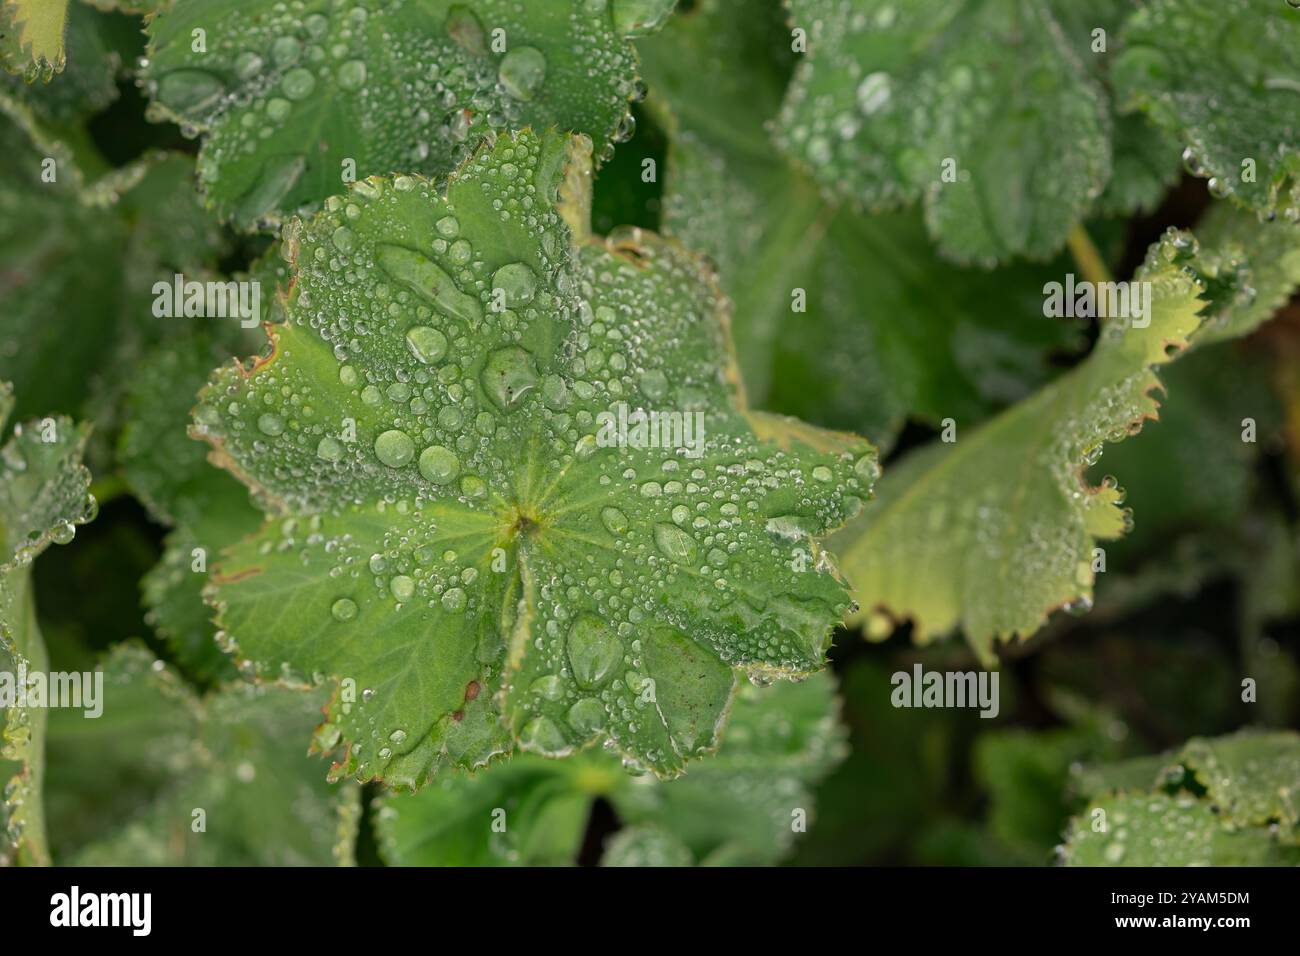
(874, 92)
(270, 424)
(344, 239)
(344, 609)
(352, 75)
(285, 51)
(395, 448)
(453, 599)
(439, 465)
(518, 281)
(328, 449)
(402, 587)
(188, 91)
(594, 651)
(634, 18)
(544, 735)
(427, 279)
(248, 64)
(587, 716)
(426, 344)
(522, 71)
(549, 687)
(654, 384)
(508, 375)
(867, 468)
(465, 28)
(675, 544)
(298, 84)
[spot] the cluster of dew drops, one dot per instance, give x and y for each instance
(440, 91)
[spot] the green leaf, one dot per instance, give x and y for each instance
(89, 81)
(993, 532)
(1191, 469)
(220, 781)
(1253, 779)
(646, 845)
(1224, 801)
(527, 811)
(1144, 166)
(295, 101)
(745, 806)
(741, 806)
(81, 264)
(1271, 253)
(1159, 830)
(1189, 63)
(888, 93)
(31, 37)
(1093, 781)
(443, 468)
(1025, 775)
(44, 494)
(169, 472)
(143, 7)
(104, 770)
(916, 336)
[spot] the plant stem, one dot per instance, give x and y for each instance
(1087, 257)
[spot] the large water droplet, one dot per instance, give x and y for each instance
(395, 448)
(426, 344)
(522, 71)
(467, 31)
(640, 17)
(426, 278)
(518, 282)
(594, 651)
(352, 75)
(403, 587)
(874, 92)
(344, 609)
(675, 544)
(453, 599)
(615, 521)
(587, 716)
(543, 735)
(439, 465)
(508, 375)
(298, 84)
(187, 91)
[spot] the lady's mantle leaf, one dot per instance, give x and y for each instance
(1224, 77)
(825, 295)
(44, 494)
(31, 36)
(736, 807)
(89, 81)
(206, 508)
(893, 95)
(1225, 801)
(1159, 830)
(300, 98)
(474, 534)
(217, 781)
(995, 531)
(81, 264)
